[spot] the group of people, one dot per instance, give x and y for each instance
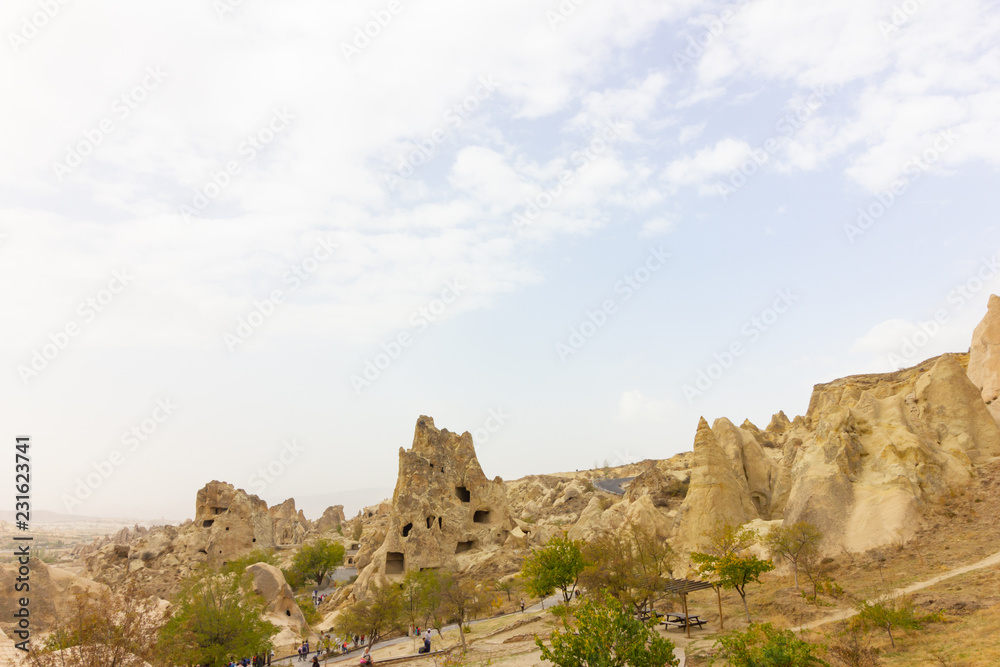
(255, 661)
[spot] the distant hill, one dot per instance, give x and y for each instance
(50, 517)
(314, 505)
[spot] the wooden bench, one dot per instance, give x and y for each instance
(680, 620)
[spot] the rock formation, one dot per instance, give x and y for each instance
(445, 513)
(270, 584)
(290, 526)
(333, 518)
(984, 357)
(869, 452)
(53, 595)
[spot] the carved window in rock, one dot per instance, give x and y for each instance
(463, 494)
(462, 547)
(395, 563)
(406, 529)
(481, 516)
(208, 523)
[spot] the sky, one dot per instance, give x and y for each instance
(253, 241)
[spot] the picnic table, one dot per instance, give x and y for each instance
(677, 620)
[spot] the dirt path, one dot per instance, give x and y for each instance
(843, 615)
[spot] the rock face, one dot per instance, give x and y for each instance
(869, 451)
(236, 521)
(445, 513)
(984, 357)
(269, 583)
(229, 523)
(290, 527)
(53, 595)
(333, 518)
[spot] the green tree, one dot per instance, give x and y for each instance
(216, 616)
(382, 611)
(892, 610)
(117, 629)
(461, 599)
(605, 633)
(632, 564)
(796, 543)
(763, 645)
(732, 571)
(315, 560)
(557, 565)
(421, 594)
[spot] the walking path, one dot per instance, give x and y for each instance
(843, 615)
(355, 652)
(612, 485)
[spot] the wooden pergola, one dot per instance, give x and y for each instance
(682, 587)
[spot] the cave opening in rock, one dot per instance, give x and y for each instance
(462, 547)
(430, 522)
(440, 523)
(207, 523)
(407, 528)
(463, 494)
(481, 516)
(395, 563)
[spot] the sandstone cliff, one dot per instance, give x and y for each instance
(445, 513)
(870, 451)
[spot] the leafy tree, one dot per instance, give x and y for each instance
(605, 633)
(763, 645)
(216, 616)
(724, 539)
(382, 611)
(797, 543)
(722, 559)
(507, 586)
(317, 559)
(421, 596)
(108, 630)
(632, 564)
(461, 599)
(886, 612)
(557, 565)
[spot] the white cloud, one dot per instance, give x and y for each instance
(691, 132)
(712, 161)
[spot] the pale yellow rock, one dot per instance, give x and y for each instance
(984, 357)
